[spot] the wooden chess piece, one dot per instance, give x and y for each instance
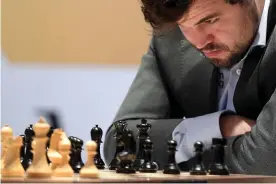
(6, 134)
(64, 169)
(198, 167)
(218, 167)
(120, 127)
(96, 135)
(22, 149)
(53, 154)
(148, 166)
(49, 135)
(13, 166)
(28, 157)
(89, 170)
(171, 167)
(127, 156)
(40, 167)
(75, 156)
(143, 130)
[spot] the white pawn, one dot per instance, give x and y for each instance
(64, 169)
(89, 170)
(13, 167)
(40, 167)
(53, 154)
(6, 134)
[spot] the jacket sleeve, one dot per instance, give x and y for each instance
(146, 98)
(254, 152)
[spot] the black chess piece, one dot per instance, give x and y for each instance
(96, 135)
(198, 167)
(28, 156)
(148, 166)
(218, 166)
(22, 149)
(127, 156)
(171, 167)
(75, 161)
(72, 153)
(49, 134)
(143, 130)
(120, 127)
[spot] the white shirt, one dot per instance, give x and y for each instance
(206, 127)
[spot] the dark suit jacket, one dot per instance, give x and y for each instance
(175, 80)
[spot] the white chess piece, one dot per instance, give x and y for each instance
(6, 134)
(64, 169)
(40, 167)
(53, 154)
(89, 170)
(13, 166)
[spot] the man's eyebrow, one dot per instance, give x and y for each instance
(207, 17)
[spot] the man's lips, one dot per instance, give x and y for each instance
(212, 53)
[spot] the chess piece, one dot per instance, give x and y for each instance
(119, 129)
(148, 166)
(22, 149)
(39, 167)
(218, 166)
(89, 170)
(171, 167)
(13, 166)
(6, 135)
(53, 154)
(143, 130)
(28, 157)
(64, 169)
(49, 134)
(127, 155)
(96, 135)
(198, 167)
(75, 155)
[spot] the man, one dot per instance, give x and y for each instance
(210, 72)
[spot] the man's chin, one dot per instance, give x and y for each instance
(221, 63)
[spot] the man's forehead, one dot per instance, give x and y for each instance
(201, 8)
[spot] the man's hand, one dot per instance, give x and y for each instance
(233, 125)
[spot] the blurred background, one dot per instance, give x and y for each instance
(70, 61)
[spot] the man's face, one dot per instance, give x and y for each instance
(222, 31)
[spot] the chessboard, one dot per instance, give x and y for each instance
(45, 155)
(108, 176)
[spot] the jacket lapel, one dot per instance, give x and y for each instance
(198, 77)
(246, 97)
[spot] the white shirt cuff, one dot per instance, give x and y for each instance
(201, 128)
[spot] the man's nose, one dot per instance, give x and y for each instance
(200, 39)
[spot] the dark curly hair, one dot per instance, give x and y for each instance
(161, 14)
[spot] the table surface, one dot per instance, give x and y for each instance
(107, 176)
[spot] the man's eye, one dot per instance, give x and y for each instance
(211, 21)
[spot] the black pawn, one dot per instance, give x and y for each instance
(198, 167)
(127, 155)
(96, 135)
(28, 156)
(218, 166)
(171, 167)
(148, 166)
(143, 130)
(75, 161)
(120, 127)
